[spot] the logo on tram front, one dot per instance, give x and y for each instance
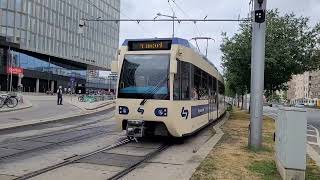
(140, 110)
(184, 113)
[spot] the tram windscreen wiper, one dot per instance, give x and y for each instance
(154, 90)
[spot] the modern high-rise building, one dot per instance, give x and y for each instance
(40, 44)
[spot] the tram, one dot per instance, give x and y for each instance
(166, 88)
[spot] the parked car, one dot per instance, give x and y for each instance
(300, 105)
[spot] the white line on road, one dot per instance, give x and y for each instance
(317, 132)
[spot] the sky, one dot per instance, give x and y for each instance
(198, 9)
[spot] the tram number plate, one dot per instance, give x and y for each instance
(149, 45)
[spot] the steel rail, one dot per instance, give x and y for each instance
(82, 137)
(134, 166)
(71, 160)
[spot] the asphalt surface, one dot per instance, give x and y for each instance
(314, 118)
(313, 115)
(313, 126)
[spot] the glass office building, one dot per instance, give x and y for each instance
(41, 37)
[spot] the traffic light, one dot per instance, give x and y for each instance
(82, 24)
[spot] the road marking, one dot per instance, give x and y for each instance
(317, 133)
(313, 143)
(313, 154)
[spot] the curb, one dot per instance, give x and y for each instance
(214, 139)
(93, 108)
(101, 105)
(204, 150)
(48, 120)
(16, 109)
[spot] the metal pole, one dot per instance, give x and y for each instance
(207, 48)
(11, 62)
(257, 77)
(173, 24)
(48, 73)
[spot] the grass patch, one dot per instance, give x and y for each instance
(259, 150)
(267, 169)
(232, 158)
(206, 166)
(312, 171)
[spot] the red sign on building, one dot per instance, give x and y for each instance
(14, 70)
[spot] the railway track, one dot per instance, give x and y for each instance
(68, 121)
(97, 131)
(114, 147)
(70, 161)
(135, 165)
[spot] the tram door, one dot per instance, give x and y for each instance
(211, 106)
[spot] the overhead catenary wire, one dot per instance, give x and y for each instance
(101, 10)
(186, 14)
(170, 20)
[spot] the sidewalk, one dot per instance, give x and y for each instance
(45, 109)
(233, 159)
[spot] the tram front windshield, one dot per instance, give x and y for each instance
(144, 77)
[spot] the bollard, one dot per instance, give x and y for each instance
(291, 143)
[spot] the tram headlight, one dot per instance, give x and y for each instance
(161, 111)
(123, 110)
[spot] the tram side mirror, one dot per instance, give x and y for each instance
(114, 67)
(173, 67)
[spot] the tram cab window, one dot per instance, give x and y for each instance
(144, 76)
(181, 85)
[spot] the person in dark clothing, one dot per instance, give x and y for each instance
(59, 93)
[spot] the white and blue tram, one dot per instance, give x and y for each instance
(166, 88)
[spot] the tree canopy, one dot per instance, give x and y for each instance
(292, 47)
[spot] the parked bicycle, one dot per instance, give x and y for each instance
(10, 100)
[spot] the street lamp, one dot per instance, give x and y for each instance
(172, 17)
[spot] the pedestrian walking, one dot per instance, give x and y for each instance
(59, 94)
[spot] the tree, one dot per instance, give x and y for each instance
(290, 49)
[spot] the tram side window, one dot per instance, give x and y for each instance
(221, 88)
(214, 84)
(185, 80)
(181, 87)
(210, 86)
(196, 83)
(204, 86)
(176, 83)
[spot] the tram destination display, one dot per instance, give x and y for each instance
(149, 45)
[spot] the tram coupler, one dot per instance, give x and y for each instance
(135, 129)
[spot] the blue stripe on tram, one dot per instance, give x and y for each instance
(201, 110)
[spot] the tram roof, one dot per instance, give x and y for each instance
(178, 41)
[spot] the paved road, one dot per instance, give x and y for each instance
(42, 108)
(313, 127)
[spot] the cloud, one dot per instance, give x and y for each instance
(199, 9)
